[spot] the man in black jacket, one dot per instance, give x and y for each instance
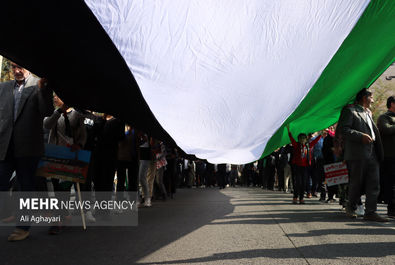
(386, 125)
(24, 103)
(362, 151)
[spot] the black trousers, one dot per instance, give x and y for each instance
(318, 175)
(25, 168)
(270, 175)
(104, 171)
(221, 179)
(332, 191)
(280, 175)
(209, 178)
(301, 177)
(170, 177)
(262, 176)
(387, 173)
(364, 177)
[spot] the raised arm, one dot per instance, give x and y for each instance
(45, 99)
(294, 143)
(51, 121)
(315, 141)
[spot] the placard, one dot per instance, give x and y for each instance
(336, 173)
(61, 163)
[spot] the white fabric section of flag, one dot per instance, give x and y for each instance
(222, 76)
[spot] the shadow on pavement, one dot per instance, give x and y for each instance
(289, 217)
(158, 226)
(322, 252)
(361, 231)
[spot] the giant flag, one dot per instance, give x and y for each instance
(219, 78)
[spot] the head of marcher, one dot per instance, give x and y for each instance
(391, 104)
(364, 98)
(302, 138)
(19, 73)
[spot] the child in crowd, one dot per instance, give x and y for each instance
(302, 160)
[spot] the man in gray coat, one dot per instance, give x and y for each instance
(24, 103)
(386, 125)
(362, 151)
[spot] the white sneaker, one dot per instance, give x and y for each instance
(360, 210)
(147, 202)
(89, 217)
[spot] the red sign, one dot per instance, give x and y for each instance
(336, 173)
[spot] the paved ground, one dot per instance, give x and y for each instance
(208, 226)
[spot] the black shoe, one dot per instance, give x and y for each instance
(351, 213)
(375, 218)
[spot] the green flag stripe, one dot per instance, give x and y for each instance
(364, 55)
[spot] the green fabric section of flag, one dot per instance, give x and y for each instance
(363, 56)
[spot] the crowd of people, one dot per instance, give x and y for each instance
(367, 149)
(124, 158)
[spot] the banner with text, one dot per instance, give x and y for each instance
(336, 174)
(62, 163)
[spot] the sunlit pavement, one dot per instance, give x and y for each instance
(211, 226)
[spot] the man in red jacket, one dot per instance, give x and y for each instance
(301, 160)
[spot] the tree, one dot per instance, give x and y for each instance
(6, 73)
(382, 89)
